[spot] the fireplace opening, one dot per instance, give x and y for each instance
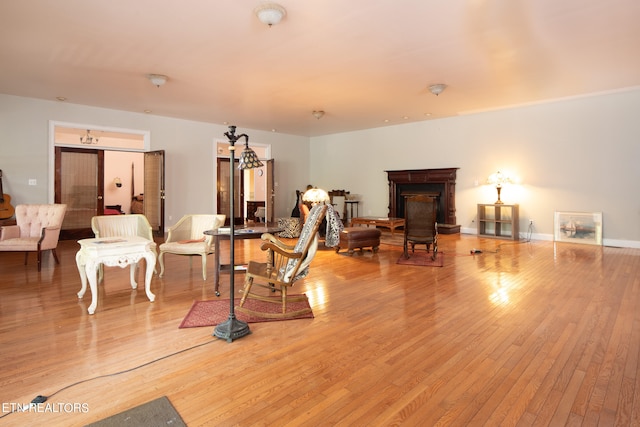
(435, 190)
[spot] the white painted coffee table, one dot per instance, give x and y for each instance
(113, 251)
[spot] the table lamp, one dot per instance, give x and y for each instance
(498, 179)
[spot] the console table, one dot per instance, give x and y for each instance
(113, 251)
(390, 223)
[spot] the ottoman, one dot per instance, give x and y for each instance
(359, 237)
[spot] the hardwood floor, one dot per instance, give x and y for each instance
(522, 334)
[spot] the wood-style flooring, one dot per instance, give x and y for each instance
(530, 333)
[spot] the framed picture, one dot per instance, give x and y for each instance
(578, 227)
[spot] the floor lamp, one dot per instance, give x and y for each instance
(233, 328)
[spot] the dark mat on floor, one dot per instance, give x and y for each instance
(159, 412)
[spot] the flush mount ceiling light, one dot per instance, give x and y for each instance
(318, 114)
(437, 89)
(270, 13)
(157, 79)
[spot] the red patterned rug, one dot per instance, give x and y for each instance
(210, 313)
(421, 258)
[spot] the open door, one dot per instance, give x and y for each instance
(79, 183)
(154, 190)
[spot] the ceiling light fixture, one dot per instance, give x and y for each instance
(318, 114)
(437, 89)
(270, 13)
(88, 139)
(157, 79)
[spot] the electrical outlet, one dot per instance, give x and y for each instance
(33, 181)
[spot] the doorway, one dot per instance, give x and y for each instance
(111, 175)
(253, 188)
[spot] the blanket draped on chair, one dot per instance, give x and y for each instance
(334, 227)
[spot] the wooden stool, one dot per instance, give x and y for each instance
(359, 237)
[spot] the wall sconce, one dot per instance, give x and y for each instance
(117, 182)
(498, 179)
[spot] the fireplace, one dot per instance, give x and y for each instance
(437, 182)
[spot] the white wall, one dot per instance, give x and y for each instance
(189, 148)
(572, 155)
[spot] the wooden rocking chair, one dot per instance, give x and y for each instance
(285, 264)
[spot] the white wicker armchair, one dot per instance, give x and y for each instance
(187, 237)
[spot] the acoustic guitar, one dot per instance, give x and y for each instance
(6, 210)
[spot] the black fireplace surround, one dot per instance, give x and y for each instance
(439, 182)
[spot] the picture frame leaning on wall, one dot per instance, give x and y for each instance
(578, 227)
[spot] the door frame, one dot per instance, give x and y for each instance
(138, 135)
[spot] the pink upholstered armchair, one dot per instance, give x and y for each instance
(37, 230)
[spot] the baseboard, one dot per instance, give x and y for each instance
(615, 243)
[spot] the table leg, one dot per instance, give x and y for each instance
(88, 270)
(150, 257)
(132, 274)
(91, 273)
(83, 275)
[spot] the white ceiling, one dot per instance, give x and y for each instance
(367, 63)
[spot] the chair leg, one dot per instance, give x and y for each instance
(161, 260)
(283, 291)
(26, 256)
(39, 260)
(248, 282)
(55, 255)
(204, 267)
